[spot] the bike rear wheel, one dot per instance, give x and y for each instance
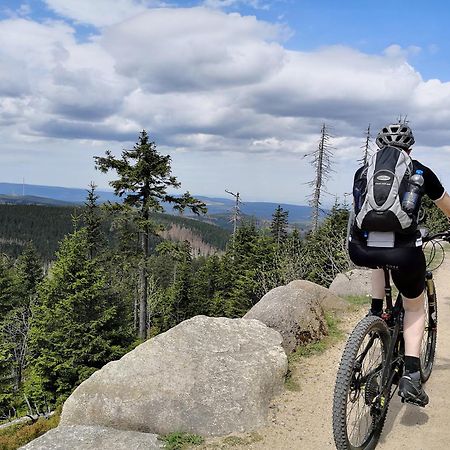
(357, 424)
(428, 345)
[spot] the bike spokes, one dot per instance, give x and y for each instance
(364, 389)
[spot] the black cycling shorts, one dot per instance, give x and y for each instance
(407, 265)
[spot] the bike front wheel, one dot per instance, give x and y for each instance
(359, 407)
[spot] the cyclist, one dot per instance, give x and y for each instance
(406, 260)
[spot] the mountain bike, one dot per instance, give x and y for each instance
(372, 365)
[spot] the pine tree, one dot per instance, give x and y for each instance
(20, 285)
(278, 227)
(8, 297)
(242, 262)
(324, 252)
(77, 324)
(92, 221)
(8, 302)
(144, 177)
(435, 220)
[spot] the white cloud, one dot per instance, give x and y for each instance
(100, 13)
(203, 82)
(256, 4)
(194, 49)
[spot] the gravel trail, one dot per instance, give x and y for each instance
(302, 419)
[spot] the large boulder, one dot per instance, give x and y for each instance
(327, 299)
(294, 312)
(354, 282)
(210, 376)
(94, 438)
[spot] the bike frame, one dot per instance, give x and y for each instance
(393, 316)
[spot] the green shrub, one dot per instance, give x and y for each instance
(178, 441)
(16, 436)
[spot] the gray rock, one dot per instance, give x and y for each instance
(354, 282)
(94, 438)
(327, 299)
(295, 313)
(209, 376)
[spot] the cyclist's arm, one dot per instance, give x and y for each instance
(444, 204)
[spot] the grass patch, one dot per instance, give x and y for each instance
(335, 334)
(316, 348)
(18, 435)
(179, 441)
(232, 441)
(358, 300)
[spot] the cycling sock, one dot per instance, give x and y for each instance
(377, 305)
(412, 364)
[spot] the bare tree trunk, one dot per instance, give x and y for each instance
(322, 165)
(366, 147)
(136, 310)
(318, 186)
(143, 287)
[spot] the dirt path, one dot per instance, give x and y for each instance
(301, 420)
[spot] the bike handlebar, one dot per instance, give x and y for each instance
(444, 235)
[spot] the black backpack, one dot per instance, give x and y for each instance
(378, 191)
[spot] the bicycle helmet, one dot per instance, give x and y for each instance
(397, 135)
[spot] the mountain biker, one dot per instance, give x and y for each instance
(407, 263)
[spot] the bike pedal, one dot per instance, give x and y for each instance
(411, 401)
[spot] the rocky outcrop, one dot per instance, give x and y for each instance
(94, 438)
(295, 313)
(354, 282)
(209, 376)
(327, 299)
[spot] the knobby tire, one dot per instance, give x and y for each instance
(345, 394)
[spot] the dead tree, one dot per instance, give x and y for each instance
(366, 147)
(321, 161)
(236, 212)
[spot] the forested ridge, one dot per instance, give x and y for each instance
(45, 226)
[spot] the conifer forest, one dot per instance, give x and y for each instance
(117, 276)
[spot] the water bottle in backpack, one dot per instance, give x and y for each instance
(412, 196)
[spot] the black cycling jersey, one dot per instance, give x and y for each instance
(432, 187)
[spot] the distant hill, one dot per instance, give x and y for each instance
(67, 195)
(46, 226)
(31, 200)
(219, 209)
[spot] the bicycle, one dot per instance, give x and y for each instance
(372, 363)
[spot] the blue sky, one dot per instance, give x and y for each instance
(234, 90)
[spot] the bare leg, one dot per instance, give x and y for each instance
(413, 324)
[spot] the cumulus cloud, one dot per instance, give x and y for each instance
(100, 13)
(193, 49)
(202, 80)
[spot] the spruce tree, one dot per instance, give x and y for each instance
(77, 324)
(435, 220)
(92, 221)
(144, 177)
(278, 227)
(8, 303)
(325, 251)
